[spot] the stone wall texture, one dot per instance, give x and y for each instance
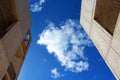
(107, 44)
(12, 39)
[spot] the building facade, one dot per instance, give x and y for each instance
(15, 36)
(101, 21)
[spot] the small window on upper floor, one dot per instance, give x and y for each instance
(11, 71)
(26, 41)
(27, 38)
(19, 54)
(8, 16)
(106, 14)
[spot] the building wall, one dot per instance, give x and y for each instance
(3, 61)
(108, 45)
(12, 40)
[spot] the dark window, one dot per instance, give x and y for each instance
(106, 14)
(11, 71)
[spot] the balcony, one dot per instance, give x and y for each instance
(7, 16)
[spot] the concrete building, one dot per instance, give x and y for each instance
(101, 21)
(15, 36)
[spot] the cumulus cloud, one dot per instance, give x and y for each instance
(37, 6)
(67, 42)
(55, 73)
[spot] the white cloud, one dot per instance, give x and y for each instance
(55, 73)
(37, 6)
(67, 43)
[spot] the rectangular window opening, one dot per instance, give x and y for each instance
(11, 71)
(19, 54)
(26, 41)
(106, 14)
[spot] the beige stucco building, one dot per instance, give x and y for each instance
(101, 21)
(15, 36)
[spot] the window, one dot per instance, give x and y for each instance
(19, 54)
(11, 71)
(26, 41)
(27, 38)
(106, 14)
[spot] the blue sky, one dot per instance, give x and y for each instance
(60, 48)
